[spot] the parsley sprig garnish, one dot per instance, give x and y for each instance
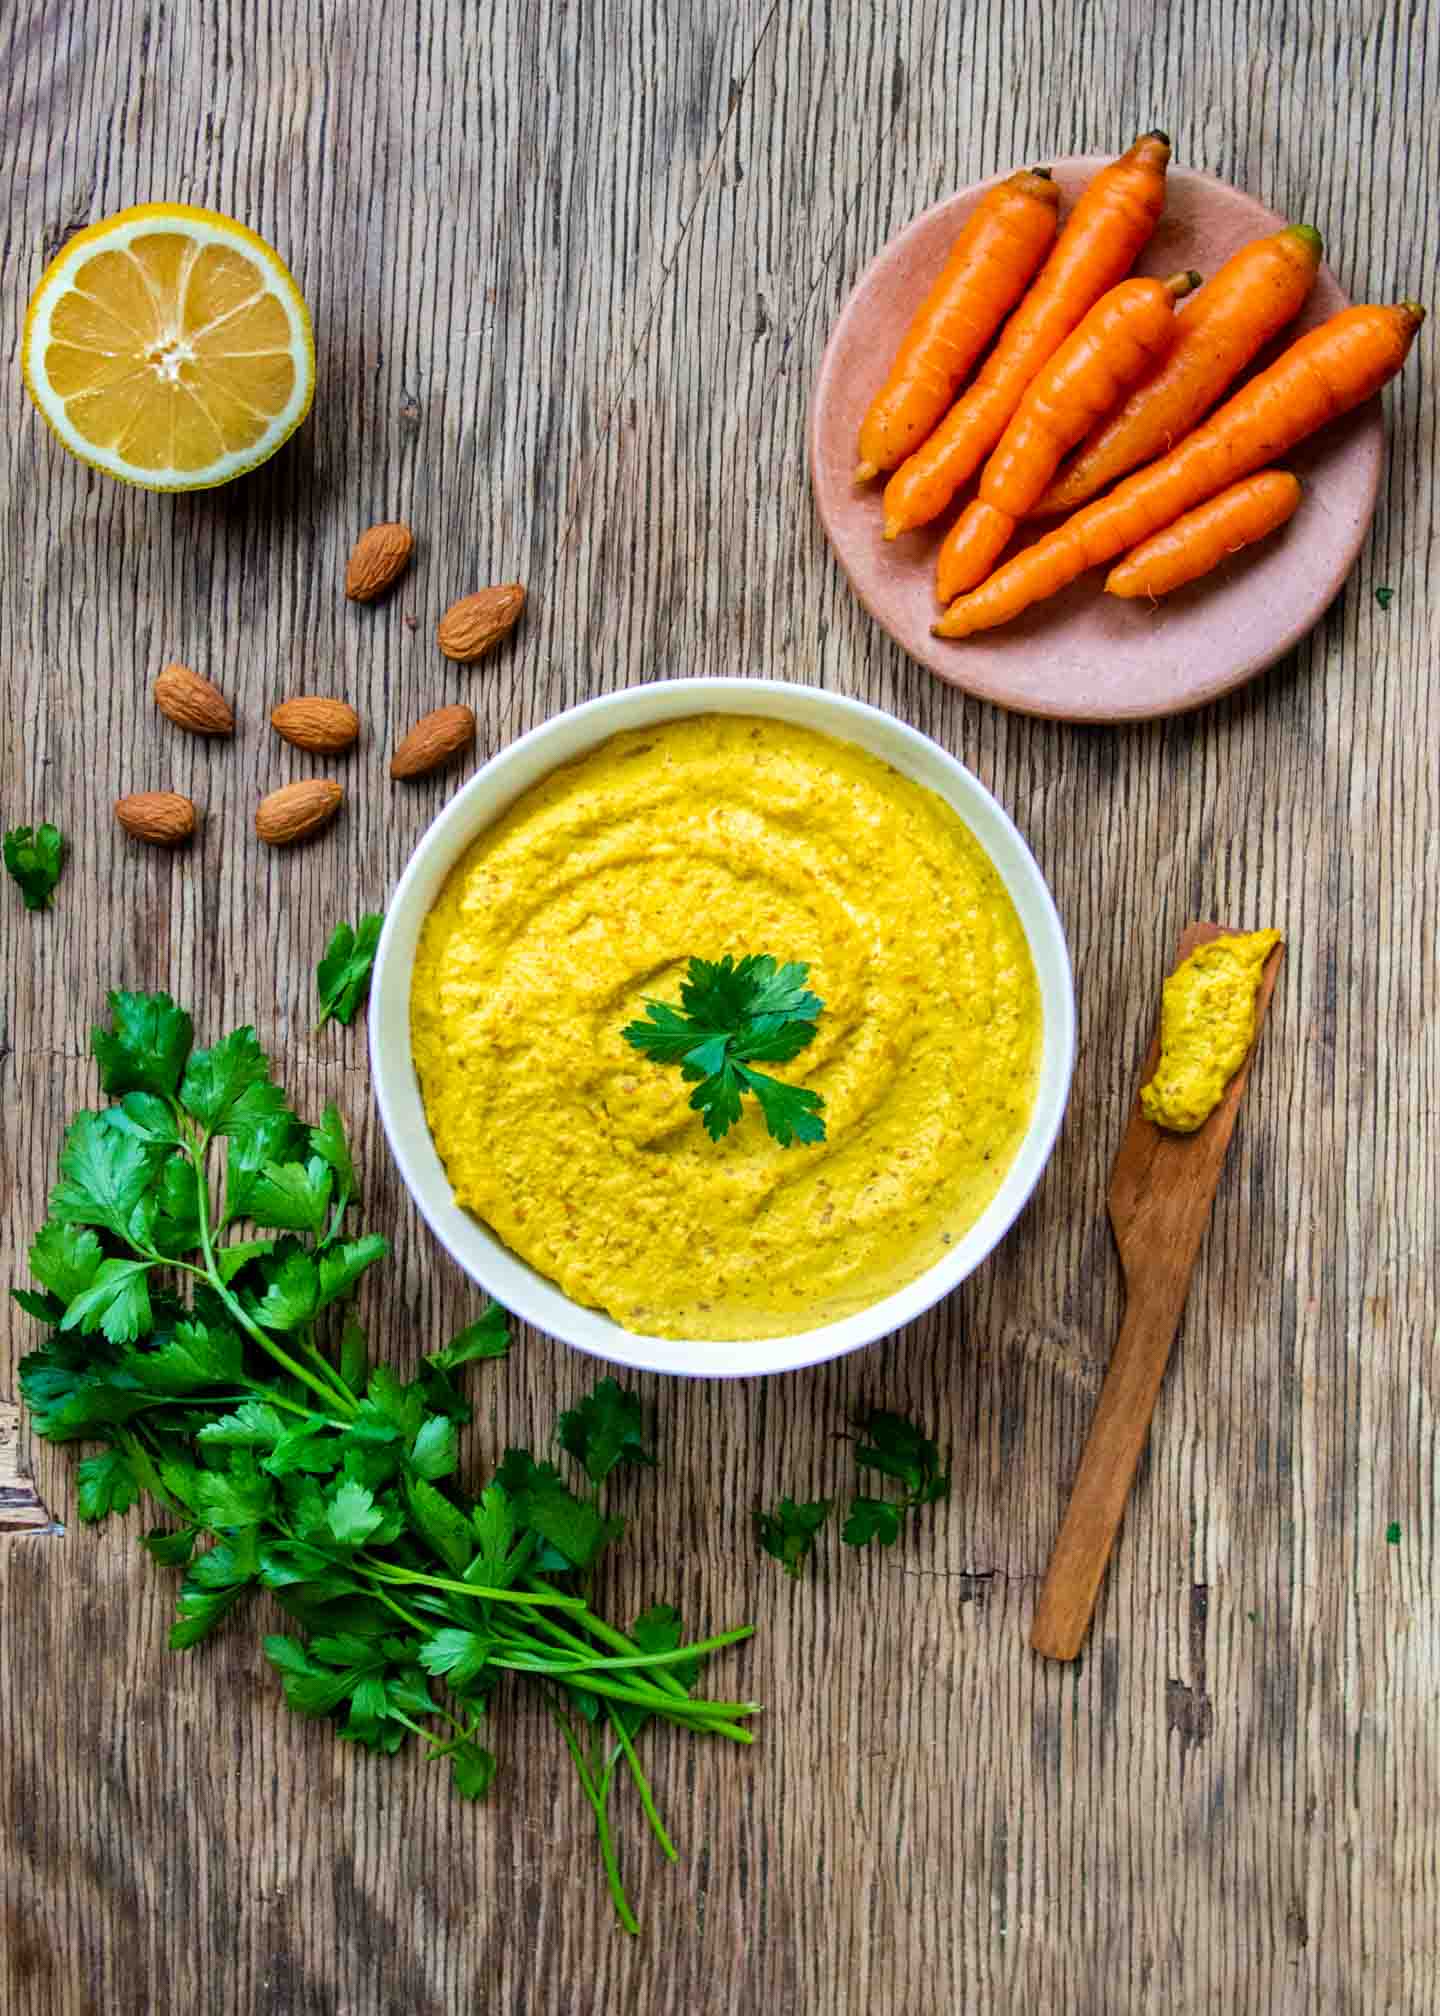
(734, 1014)
(195, 1277)
(33, 856)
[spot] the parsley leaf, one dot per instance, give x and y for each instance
(1384, 596)
(343, 975)
(487, 1337)
(606, 1429)
(896, 1448)
(104, 1484)
(33, 856)
(737, 1013)
(788, 1533)
(145, 1047)
(871, 1519)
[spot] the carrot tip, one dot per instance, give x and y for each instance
(866, 473)
(1045, 174)
(1156, 134)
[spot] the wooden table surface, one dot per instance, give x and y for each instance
(572, 270)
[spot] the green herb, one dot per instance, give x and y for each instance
(732, 1015)
(1384, 596)
(1392, 1533)
(788, 1533)
(895, 1448)
(343, 975)
(224, 1377)
(33, 857)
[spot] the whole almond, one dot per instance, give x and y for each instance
(162, 818)
(326, 726)
(296, 811)
(192, 702)
(434, 741)
(472, 625)
(377, 560)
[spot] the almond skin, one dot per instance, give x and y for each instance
(296, 811)
(470, 627)
(160, 818)
(192, 702)
(324, 726)
(433, 741)
(377, 560)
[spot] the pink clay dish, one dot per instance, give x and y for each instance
(1085, 655)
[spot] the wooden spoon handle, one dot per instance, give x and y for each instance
(1102, 1483)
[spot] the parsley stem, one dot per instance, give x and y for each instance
(642, 1786)
(195, 1148)
(608, 1635)
(677, 1657)
(602, 1826)
(383, 1572)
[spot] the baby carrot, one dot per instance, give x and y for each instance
(1320, 376)
(991, 264)
(1107, 228)
(1126, 331)
(1247, 511)
(1256, 292)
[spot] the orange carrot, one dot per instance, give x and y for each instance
(1199, 541)
(1321, 376)
(1108, 226)
(1256, 292)
(1126, 331)
(991, 264)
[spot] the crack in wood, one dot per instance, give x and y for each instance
(1189, 1711)
(21, 1507)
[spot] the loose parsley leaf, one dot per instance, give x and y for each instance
(1384, 596)
(606, 1429)
(735, 1013)
(896, 1448)
(343, 975)
(788, 1533)
(487, 1337)
(33, 855)
(871, 1519)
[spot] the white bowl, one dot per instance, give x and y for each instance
(528, 1294)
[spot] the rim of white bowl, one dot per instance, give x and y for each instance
(530, 1295)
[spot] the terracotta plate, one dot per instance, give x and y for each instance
(1086, 656)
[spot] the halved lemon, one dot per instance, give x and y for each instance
(170, 347)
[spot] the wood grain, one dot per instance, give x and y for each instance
(1161, 1190)
(572, 270)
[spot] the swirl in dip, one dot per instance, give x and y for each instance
(717, 834)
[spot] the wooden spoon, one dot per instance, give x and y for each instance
(1161, 1190)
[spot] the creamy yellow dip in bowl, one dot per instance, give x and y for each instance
(573, 878)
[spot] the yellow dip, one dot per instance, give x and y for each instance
(1207, 1023)
(701, 837)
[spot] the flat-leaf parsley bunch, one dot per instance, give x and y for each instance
(194, 1276)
